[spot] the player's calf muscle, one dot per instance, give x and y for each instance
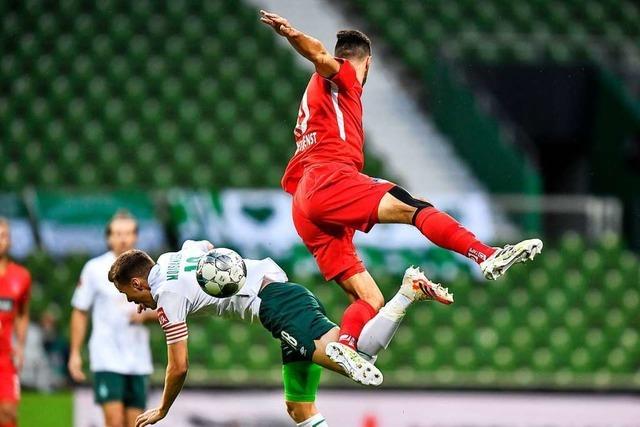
(300, 411)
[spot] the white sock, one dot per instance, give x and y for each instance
(316, 421)
(397, 306)
(379, 331)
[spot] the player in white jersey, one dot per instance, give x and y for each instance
(119, 352)
(288, 310)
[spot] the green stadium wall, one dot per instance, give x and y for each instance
(617, 121)
(476, 135)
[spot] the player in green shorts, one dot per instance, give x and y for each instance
(288, 310)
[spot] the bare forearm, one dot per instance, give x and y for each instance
(307, 46)
(173, 382)
(144, 316)
(22, 324)
(149, 316)
(79, 322)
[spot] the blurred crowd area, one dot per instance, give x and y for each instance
(46, 353)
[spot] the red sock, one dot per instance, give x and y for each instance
(353, 320)
(8, 425)
(447, 233)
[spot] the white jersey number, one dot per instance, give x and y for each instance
(303, 116)
(304, 113)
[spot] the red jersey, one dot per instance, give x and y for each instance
(15, 287)
(329, 127)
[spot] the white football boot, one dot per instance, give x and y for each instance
(417, 287)
(357, 368)
(498, 263)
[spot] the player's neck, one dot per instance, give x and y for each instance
(361, 71)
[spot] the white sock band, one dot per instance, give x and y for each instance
(316, 421)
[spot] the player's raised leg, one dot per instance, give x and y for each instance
(398, 206)
(345, 360)
(336, 256)
(366, 301)
(379, 331)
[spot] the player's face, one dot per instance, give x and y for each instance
(138, 292)
(123, 235)
(5, 240)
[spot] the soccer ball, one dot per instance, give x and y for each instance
(221, 272)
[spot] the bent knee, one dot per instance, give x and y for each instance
(301, 411)
(115, 421)
(375, 301)
(8, 415)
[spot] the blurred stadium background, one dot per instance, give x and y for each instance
(520, 117)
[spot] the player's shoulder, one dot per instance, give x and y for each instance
(171, 301)
(20, 270)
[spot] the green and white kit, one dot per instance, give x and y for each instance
(289, 311)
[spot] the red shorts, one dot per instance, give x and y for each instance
(331, 202)
(9, 382)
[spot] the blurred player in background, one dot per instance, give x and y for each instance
(15, 287)
(332, 199)
(119, 352)
(288, 310)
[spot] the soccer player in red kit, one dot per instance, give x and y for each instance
(15, 284)
(332, 199)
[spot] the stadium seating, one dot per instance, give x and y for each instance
(566, 320)
(144, 94)
(163, 94)
(500, 30)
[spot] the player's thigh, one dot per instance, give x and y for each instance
(363, 286)
(319, 355)
(296, 317)
(9, 392)
(397, 206)
(351, 200)
(109, 389)
(135, 392)
(8, 412)
(130, 415)
(331, 246)
(113, 414)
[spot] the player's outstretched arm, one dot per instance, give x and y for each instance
(79, 325)
(312, 49)
(177, 367)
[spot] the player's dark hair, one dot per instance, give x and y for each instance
(120, 214)
(130, 264)
(352, 44)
